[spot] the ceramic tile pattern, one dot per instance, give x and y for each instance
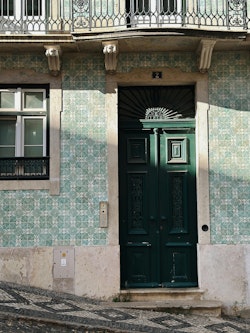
(229, 139)
(34, 218)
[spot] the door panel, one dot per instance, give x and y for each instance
(137, 230)
(158, 234)
(177, 204)
(139, 264)
(176, 268)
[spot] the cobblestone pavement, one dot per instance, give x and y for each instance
(24, 309)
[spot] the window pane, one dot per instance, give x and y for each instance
(169, 6)
(33, 151)
(141, 5)
(33, 137)
(7, 100)
(6, 7)
(34, 7)
(33, 132)
(7, 132)
(33, 100)
(7, 152)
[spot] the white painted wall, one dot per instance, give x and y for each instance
(96, 270)
(224, 275)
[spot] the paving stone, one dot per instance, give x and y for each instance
(25, 309)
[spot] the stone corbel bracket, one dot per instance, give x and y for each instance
(53, 53)
(205, 51)
(110, 50)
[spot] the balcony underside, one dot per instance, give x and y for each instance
(136, 40)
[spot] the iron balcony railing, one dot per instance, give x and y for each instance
(24, 168)
(48, 16)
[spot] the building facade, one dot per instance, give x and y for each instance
(124, 136)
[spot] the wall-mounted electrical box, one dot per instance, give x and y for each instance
(103, 212)
(64, 263)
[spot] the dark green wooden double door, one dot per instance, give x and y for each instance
(157, 195)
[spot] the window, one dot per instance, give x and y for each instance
(28, 7)
(24, 151)
(33, 8)
(6, 8)
(164, 6)
(23, 15)
(154, 12)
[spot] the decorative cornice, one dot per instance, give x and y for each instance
(110, 50)
(205, 51)
(53, 53)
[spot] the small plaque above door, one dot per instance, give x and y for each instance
(177, 150)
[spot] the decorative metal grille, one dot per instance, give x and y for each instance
(237, 12)
(81, 13)
(136, 200)
(161, 113)
(24, 168)
(70, 15)
(177, 204)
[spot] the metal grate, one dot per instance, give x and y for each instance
(43, 16)
(24, 168)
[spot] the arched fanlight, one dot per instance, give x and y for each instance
(161, 113)
(156, 102)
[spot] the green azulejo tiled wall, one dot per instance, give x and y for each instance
(34, 218)
(84, 148)
(185, 61)
(229, 140)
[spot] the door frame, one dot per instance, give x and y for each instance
(170, 77)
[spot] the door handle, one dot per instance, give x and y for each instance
(138, 244)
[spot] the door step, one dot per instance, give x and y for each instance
(161, 294)
(186, 301)
(192, 307)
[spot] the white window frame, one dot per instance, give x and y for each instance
(19, 114)
(43, 91)
(15, 99)
(19, 99)
(54, 104)
(23, 118)
(19, 106)
(11, 118)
